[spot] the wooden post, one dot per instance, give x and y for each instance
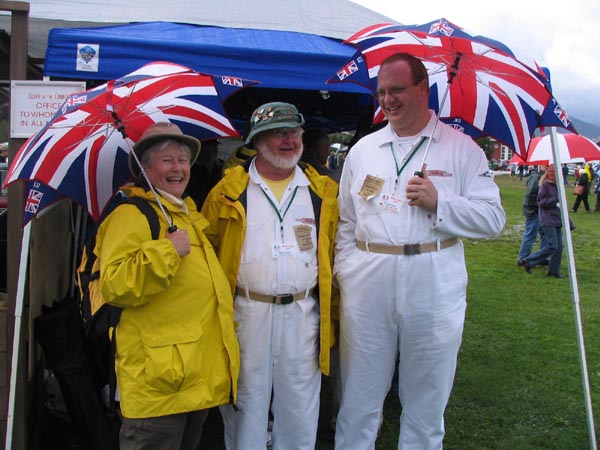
(18, 71)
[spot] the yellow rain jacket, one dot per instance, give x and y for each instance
(225, 210)
(176, 348)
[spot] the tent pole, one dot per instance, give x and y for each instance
(16, 348)
(564, 212)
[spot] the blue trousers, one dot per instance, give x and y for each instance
(532, 228)
(551, 248)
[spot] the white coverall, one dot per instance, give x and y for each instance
(279, 344)
(410, 307)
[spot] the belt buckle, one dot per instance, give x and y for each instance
(284, 299)
(412, 249)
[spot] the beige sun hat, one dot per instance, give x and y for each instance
(157, 132)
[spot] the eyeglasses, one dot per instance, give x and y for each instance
(284, 133)
(395, 91)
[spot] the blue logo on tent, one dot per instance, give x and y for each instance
(87, 53)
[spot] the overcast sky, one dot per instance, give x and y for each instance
(563, 36)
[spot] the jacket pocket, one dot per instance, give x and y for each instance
(169, 359)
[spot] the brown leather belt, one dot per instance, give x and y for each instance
(408, 249)
(284, 299)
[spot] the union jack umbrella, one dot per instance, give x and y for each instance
(82, 152)
(478, 85)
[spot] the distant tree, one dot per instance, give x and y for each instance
(486, 144)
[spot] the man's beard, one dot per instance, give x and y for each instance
(279, 161)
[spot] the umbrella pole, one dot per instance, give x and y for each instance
(564, 211)
(16, 347)
(453, 71)
(172, 228)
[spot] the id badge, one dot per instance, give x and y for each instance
(391, 203)
(282, 250)
(371, 187)
(303, 237)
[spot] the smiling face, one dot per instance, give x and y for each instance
(167, 166)
(279, 151)
(403, 99)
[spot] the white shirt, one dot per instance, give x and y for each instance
(468, 199)
(272, 261)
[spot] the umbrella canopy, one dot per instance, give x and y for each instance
(82, 152)
(516, 159)
(572, 147)
(477, 84)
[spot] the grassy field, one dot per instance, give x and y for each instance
(518, 384)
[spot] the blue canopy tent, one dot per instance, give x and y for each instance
(290, 66)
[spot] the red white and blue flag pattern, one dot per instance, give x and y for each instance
(493, 93)
(82, 152)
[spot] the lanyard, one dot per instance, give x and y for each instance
(279, 215)
(406, 160)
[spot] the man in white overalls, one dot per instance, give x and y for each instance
(399, 263)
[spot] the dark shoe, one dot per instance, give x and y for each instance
(527, 267)
(544, 263)
(552, 275)
(520, 263)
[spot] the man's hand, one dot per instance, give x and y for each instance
(181, 241)
(420, 191)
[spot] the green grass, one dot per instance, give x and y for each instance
(518, 384)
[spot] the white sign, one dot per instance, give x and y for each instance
(34, 103)
(88, 57)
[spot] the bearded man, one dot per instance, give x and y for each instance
(273, 222)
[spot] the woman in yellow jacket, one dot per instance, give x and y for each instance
(176, 350)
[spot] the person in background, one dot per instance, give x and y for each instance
(176, 350)
(590, 172)
(551, 224)
(240, 156)
(316, 150)
(273, 222)
(205, 173)
(583, 181)
(530, 211)
(521, 170)
(578, 170)
(597, 192)
(399, 262)
(565, 174)
(4, 155)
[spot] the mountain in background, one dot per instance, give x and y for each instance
(586, 129)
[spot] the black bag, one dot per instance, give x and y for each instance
(59, 332)
(100, 318)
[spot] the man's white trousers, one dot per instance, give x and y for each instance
(279, 347)
(406, 307)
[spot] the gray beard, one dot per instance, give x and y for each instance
(279, 161)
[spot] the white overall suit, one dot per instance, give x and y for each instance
(406, 306)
